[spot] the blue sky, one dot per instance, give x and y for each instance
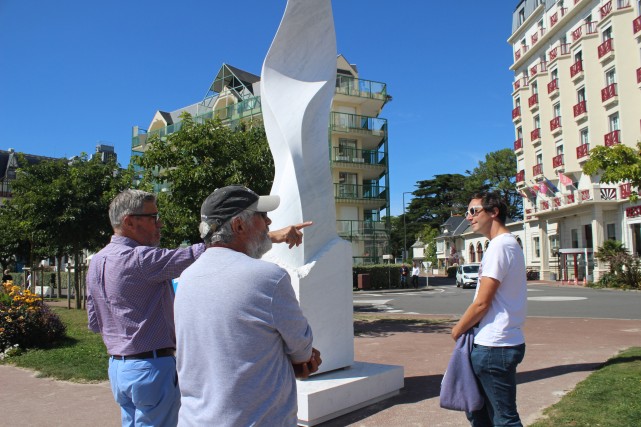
(77, 73)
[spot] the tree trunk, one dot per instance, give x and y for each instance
(76, 278)
(59, 275)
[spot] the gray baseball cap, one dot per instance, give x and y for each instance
(225, 203)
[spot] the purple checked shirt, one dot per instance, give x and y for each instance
(130, 300)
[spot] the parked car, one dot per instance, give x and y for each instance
(467, 275)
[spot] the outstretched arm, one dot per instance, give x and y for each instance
(292, 235)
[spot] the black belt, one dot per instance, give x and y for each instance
(163, 352)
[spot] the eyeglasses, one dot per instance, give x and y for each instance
(263, 214)
(155, 216)
(473, 211)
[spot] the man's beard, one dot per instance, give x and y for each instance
(259, 245)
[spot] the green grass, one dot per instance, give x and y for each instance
(80, 357)
(608, 397)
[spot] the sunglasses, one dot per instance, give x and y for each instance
(473, 211)
(155, 216)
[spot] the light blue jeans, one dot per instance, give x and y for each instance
(495, 368)
(146, 390)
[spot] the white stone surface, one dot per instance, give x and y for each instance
(333, 394)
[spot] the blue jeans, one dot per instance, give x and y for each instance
(146, 390)
(495, 368)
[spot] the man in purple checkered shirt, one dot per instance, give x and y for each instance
(130, 302)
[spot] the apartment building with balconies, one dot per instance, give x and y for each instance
(358, 147)
(577, 84)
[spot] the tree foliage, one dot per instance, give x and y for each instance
(435, 201)
(617, 163)
(197, 159)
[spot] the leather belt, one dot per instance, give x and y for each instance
(163, 352)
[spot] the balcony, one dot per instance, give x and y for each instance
(363, 193)
(559, 51)
(605, 10)
(359, 158)
(359, 229)
(520, 176)
(516, 114)
(517, 55)
(537, 69)
(625, 190)
(359, 125)
(580, 111)
(533, 102)
(584, 195)
(373, 95)
(612, 138)
(521, 83)
(639, 76)
(518, 146)
(576, 71)
(535, 137)
(636, 26)
(553, 88)
(606, 51)
(537, 170)
(535, 38)
(583, 152)
(555, 126)
(584, 30)
(609, 95)
(557, 161)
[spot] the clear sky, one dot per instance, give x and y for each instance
(77, 73)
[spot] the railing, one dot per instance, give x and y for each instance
(348, 85)
(353, 155)
(612, 138)
(537, 169)
(553, 85)
(516, 112)
(535, 134)
(557, 161)
(582, 151)
(590, 28)
(519, 83)
(533, 100)
(576, 68)
(610, 91)
(570, 198)
(605, 9)
(518, 144)
(584, 195)
(555, 123)
(5, 188)
(517, 55)
(347, 228)
(363, 192)
(605, 47)
(520, 176)
(556, 202)
(639, 75)
(535, 38)
(626, 190)
(561, 49)
(354, 123)
(580, 108)
(636, 25)
(554, 18)
(545, 205)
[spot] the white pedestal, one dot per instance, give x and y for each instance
(332, 394)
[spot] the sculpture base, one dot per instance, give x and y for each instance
(332, 394)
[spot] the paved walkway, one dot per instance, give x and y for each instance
(560, 353)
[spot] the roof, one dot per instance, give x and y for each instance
(452, 225)
(10, 158)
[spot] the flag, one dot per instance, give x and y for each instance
(565, 180)
(531, 191)
(543, 188)
(551, 186)
(535, 188)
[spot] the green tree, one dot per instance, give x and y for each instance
(11, 242)
(435, 201)
(498, 173)
(617, 163)
(428, 236)
(197, 159)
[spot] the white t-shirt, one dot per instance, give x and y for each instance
(502, 324)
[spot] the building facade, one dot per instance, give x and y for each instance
(577, 84)
(357, 138)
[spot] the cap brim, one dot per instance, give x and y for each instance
(265, 204)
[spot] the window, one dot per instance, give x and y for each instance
(537, 122)
(347, 184)
(580, 94)
(611, 232)
(607, 34)
(347, 148)
(614, 122)
(588, 19)
(521, 16)
(540, 25)
(517, 102)
(610, 77)
(584, 136)
(578, 56)
(539, 157)
(536, 245)
(588, 235)
(554, 74)
(559, 148)
(535, 88)
(557, 109)
(519, 133)
(554, 244)
(574, 236)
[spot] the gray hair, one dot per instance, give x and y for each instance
(224, 233)
(126, 203)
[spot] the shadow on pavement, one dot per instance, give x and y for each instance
(555, 371)
(386, 327)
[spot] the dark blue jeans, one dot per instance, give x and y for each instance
(495, 368)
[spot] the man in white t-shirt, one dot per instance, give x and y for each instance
(497, 313)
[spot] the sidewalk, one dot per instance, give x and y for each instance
(560, 353)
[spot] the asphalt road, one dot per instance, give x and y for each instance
(443, 297)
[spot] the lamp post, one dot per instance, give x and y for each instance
(404, 228)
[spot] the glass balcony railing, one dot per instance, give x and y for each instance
(348, 85)
(360, 192)
(344, 122)
(352, 155)
(346, 228)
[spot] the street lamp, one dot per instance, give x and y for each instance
(404, 227)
